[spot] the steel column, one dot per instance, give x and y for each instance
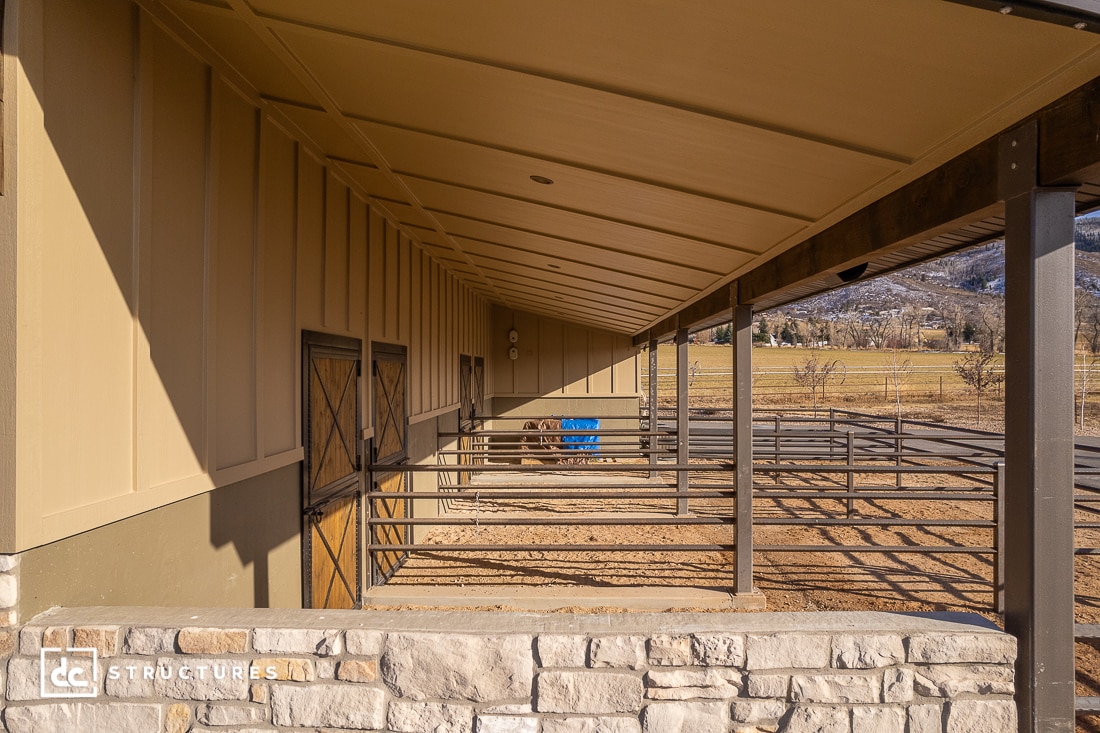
(653, 407)
(1038, 486)
(742, 431)
(682, 417)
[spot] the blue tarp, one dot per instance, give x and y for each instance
(580, 441)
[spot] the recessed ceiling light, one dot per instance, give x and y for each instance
(552, 266)
(542, 179)
(1006, 10)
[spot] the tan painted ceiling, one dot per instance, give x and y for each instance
(687, 142)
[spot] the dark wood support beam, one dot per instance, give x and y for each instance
(961, 190)
(1069, 146)
(690, 316)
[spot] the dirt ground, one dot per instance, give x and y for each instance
(790, 581)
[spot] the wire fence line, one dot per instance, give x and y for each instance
(925, 382)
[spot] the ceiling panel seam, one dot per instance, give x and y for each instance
(577, 165)
(506, 276)
(582, 243)
(894, 159)
(302, 73)
(649, 282)
(581, 302)
(579, 212)
(202, 50)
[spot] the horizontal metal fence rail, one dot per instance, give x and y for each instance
(848, 458)
(832, 448)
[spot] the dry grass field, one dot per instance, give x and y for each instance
(862, 380)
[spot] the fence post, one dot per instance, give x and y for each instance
(897, 449)
(682, 420)
(777, 476)
(653, 438)
(999, 538)
(832, 429)
(851, 473)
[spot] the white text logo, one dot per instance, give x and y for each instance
(72, 672)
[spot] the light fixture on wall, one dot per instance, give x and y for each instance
(513, 337)
(513, 353)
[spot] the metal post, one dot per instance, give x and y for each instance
(897, 449)
(832, 429)
(999, 538)
(682, 456)
(653, 438)
(851, 473)
(1038, 435)
(775, 431)
(742, 426)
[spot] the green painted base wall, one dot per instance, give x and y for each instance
(237, 546)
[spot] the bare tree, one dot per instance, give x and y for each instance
(898, 371)
(979, 371)
(1086, 336)
(854, 330)
(814, 373)
(911, 321)
(954, 322)
(991, 325)
(881, 328)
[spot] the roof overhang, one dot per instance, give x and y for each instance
(695, 150)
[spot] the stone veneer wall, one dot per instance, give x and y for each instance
(9, 591)
(456, 672)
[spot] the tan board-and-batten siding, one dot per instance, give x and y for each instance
(173, 238)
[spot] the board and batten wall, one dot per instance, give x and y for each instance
(171, 239)
(560, 363)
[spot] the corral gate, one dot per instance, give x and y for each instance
(389, 448)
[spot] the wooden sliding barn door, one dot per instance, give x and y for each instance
(389, 455)
(332, 493)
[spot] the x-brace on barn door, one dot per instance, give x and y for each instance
(331, 487)
(389, 453)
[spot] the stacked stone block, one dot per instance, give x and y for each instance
(524, 680)
(9, 590)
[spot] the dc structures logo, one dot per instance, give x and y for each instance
(71, 672)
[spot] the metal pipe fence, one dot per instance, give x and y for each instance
(812, 473)
(831, 481)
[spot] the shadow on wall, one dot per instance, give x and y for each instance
(261, 519)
